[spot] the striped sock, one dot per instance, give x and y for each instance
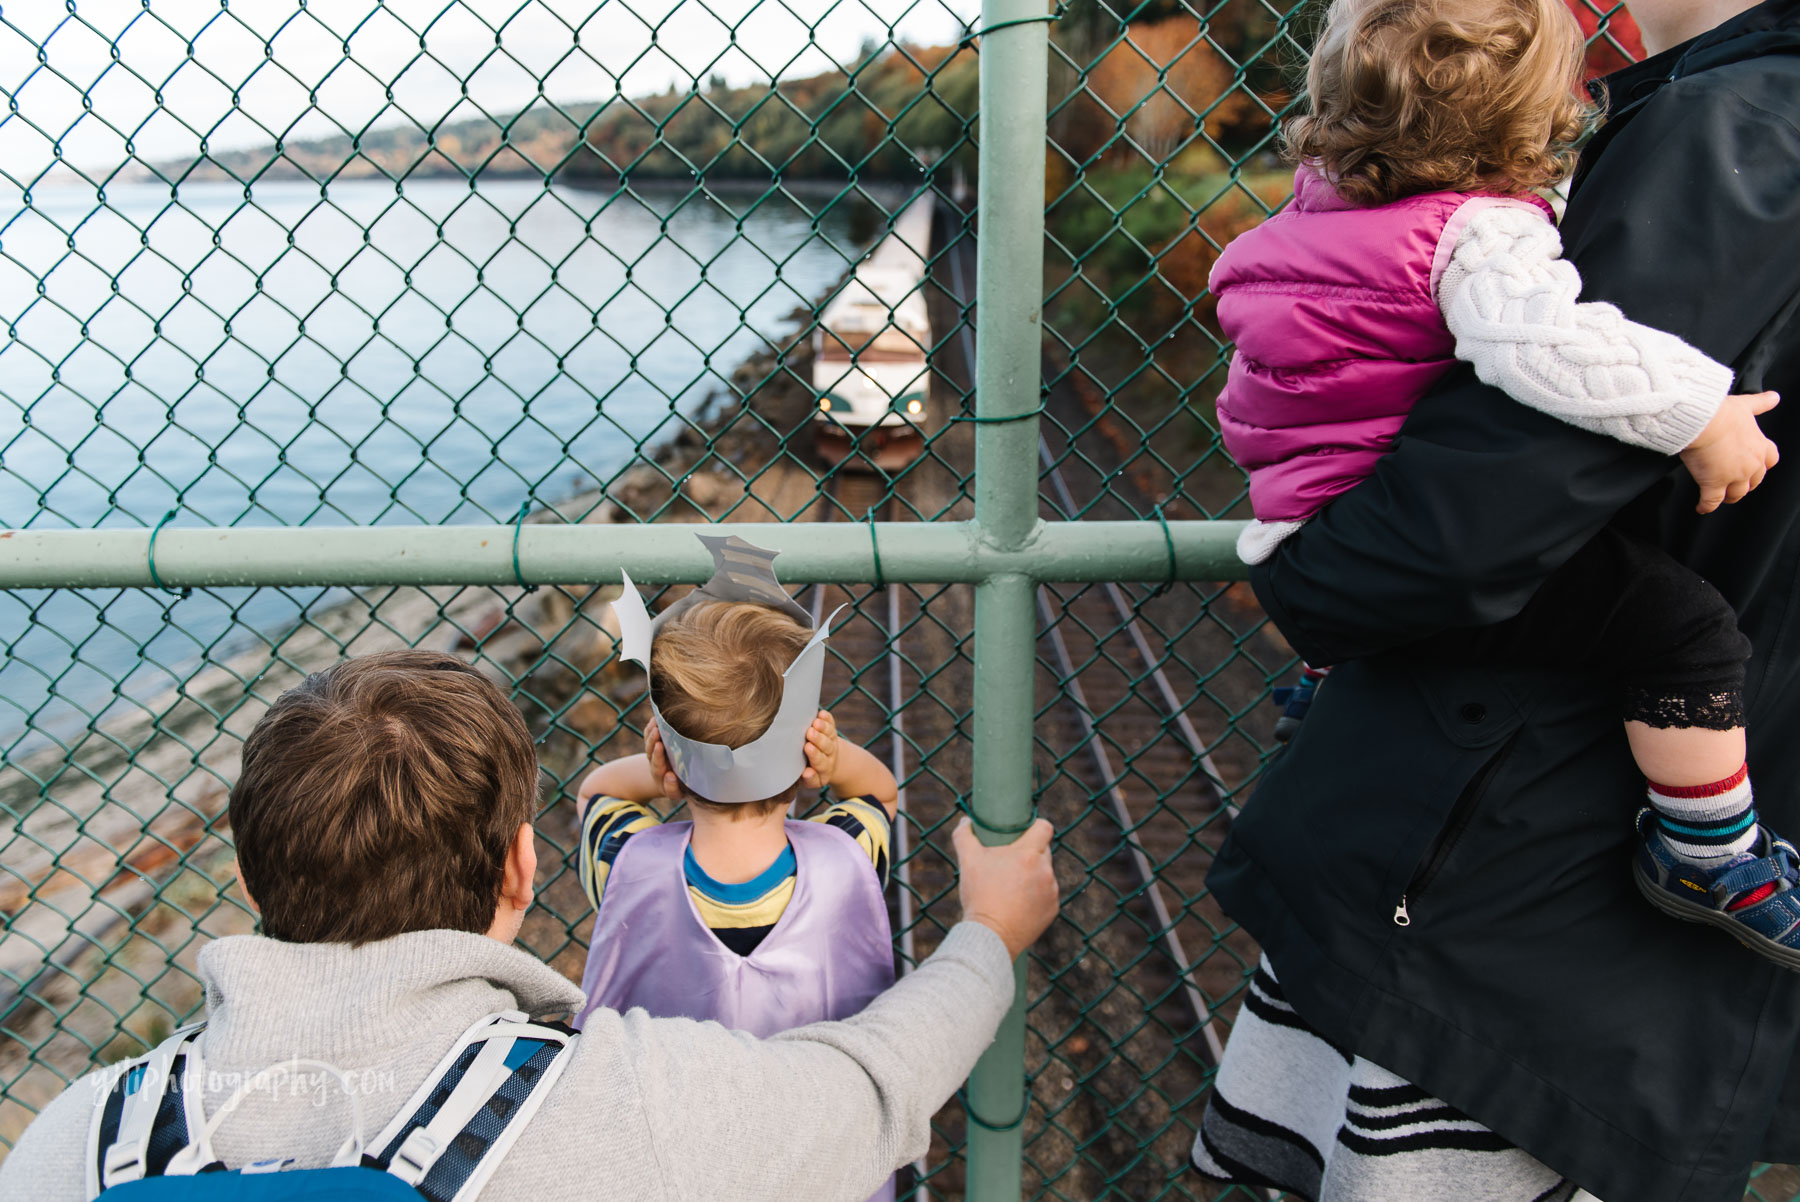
(1707, 825)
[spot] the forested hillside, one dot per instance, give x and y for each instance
(533, 142)
(888, 116)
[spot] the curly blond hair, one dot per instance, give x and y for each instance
(1411, 96)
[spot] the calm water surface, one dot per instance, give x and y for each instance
(361, 357)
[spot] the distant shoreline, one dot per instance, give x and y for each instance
(885, 191)
(69, 176)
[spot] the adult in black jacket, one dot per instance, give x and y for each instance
(1534, 988)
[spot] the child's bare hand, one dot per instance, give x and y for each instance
(1732, 455)
(659, 762)
(821, 751)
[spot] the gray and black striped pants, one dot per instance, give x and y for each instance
(1290, 1111)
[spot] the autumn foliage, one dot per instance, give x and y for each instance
(1156, 85)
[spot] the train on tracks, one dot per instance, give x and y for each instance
(870, 370)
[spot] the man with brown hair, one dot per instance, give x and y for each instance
(382, 823)
(416, 783)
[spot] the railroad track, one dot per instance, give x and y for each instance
(1127, 680)
(895, 670)
(865, 646)
(1085, 627)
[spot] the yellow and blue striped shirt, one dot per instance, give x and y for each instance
(739, 913)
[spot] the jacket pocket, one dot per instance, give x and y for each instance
(1438, 851)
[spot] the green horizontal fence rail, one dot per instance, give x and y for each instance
(355, 324)
(905, 552)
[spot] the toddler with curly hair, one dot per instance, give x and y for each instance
(1418, 241)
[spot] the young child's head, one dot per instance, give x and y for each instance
(1413, 96)
(382, 796)
(716, 676)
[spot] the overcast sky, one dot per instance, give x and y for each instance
(295, 71)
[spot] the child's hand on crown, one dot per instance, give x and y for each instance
(659, 762)
(821, 751)
(1732, 454)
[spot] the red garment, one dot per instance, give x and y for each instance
(1620, 45)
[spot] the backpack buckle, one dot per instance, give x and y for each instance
(123, 1163)
(418, 1152)
(278, 1165)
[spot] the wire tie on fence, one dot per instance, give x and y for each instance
(518, 525)
(985, 30)
(1168, 545)
(962, 804)
(875, 547)
(962, 1096)
(980, 420)
(150, 555)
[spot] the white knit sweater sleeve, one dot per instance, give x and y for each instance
(1510, 300)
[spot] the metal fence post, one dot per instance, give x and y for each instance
(1009, 296)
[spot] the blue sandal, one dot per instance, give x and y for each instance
(1295, 700)
(1770, 927)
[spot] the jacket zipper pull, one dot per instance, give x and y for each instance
(1401, 917)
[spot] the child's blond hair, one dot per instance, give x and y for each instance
(1411, 96)
(716, 676)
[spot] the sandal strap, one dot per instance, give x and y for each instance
(1754, 874)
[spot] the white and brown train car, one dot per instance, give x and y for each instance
(870, 368)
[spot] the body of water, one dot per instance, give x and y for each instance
(358, 355)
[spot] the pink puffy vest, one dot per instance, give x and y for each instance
(1334, 312)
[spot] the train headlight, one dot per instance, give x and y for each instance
(825, 404)
(915, 407)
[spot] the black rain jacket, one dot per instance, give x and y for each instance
(1649, 1060)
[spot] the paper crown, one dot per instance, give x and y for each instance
(774, 760)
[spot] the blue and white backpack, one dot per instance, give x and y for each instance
(150, 1142)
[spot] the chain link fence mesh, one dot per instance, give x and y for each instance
(416, 263)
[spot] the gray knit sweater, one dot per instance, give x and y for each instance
(648, 1108)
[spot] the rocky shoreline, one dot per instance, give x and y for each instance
(119, 867)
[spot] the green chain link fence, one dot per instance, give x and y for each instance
(336, 326)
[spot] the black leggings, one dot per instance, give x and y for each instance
(1630, 610)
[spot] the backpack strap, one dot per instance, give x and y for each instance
(198, 1155)
(146, 1114)
(448, 1140)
